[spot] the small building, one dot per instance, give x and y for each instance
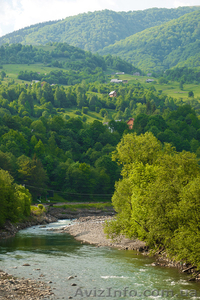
(120, 73)
(149, 74)
(130, 123)
(113, 94)
(149, 80)
(115, 80)
(136, 74)
(125, 81)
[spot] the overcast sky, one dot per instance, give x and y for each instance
(17, 14)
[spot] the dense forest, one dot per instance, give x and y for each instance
(183, 75)
(94, 30)
(162, 47)
(42, 147)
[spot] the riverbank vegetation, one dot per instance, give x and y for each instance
(15, 200)
(158, 198)
(38, 210)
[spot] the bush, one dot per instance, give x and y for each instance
(97, 109)
(77, 112)
(40, 206)
(85, 110)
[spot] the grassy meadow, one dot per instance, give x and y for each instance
(171, 88)
(12, 70)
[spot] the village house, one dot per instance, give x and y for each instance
(136, 74)
(116, 80)
(130, 123)
(149, 80)
(113, 94)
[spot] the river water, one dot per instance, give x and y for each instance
(99, 273)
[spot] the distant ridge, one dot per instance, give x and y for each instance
(176, 42)
(93, 31)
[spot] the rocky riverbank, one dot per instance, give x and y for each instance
(10, 229)
(22, 289)
(90, 230)
(26, 289)
(52, 215)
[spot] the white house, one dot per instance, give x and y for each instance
(116, 80)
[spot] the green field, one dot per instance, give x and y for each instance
(12, 70)
(171, 88)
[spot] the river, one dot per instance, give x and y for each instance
(99, 272)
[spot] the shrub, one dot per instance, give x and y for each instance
(40, 206)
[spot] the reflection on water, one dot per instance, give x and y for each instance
(56, 256)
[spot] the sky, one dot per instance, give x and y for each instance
(17, 14)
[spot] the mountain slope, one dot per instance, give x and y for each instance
(95, 30)
(67, 65)
(163, 46)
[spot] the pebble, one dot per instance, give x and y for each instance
(22, 289)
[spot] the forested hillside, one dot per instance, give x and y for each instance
(162, 47)
(94, 30)
(71, 64)
(42, 147)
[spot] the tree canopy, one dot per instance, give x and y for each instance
(157, 199)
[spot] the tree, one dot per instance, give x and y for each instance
(190, 94)
(157, 198)
(39, 149)
(38, 126)
(32, 173)
(15, 200)
(3, 74)
(181, 85)
(15, 142)
(60, 99)
(140, 123)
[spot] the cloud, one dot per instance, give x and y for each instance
(8, 12)
(178, 3)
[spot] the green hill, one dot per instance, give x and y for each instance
(67, 65)
(94, 30)
(162, 47)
